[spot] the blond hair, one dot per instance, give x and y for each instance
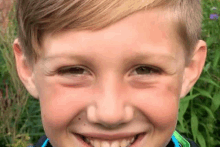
(39, 17)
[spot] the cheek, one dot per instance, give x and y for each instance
(160, 104)
(59, 105)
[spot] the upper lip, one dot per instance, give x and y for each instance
(109, 136)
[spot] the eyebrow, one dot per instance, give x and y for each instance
(134, 56)
(74, 56)
(164, 60)
(150, 56)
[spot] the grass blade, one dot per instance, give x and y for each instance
(194, 125)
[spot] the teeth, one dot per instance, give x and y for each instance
(124, 143)
(116, 143)
(105, 144)
(92, 142)
(132, 140)
(96, 143)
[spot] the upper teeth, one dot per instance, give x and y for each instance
(114, 143)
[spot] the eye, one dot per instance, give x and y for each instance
(71, 71)
(147, 70)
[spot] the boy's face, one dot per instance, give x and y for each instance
(124, 79)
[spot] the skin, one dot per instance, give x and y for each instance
(111, 96)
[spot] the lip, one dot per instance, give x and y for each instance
(110, 137)
(138, 141)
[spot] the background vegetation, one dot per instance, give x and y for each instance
(199, 113)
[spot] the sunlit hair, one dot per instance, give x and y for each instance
(39, 17)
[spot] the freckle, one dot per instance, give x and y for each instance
(79, 118)
(84, 124)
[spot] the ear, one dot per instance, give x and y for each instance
(194, 68)
(24, 70)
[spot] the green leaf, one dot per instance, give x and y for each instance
(182, 110)
(203, 93)
(182, 129)
(216, 58)
(210, 41)
(215, 102)
(183, 107)
(209, 80)
(206, 129)
(207, 66)
(194, 125)
(210, 113)
(188, 98)
(201, 140)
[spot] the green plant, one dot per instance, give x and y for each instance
(13, 94)
(200, 108)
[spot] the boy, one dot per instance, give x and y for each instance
(109, 73)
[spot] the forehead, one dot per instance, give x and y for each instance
(142, 30)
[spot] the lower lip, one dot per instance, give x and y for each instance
(135, 144)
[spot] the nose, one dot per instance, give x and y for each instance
(110, 108)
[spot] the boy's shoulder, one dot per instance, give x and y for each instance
(43, 142)
(182, 140)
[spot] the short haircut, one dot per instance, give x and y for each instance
(39, 17)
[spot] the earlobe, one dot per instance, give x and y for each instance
(25, 71)
(193, 70)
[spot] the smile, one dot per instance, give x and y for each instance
(122, 142)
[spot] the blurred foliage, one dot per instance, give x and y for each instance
(199, 110)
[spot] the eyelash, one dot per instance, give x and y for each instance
(67, 70)
(150, 70)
